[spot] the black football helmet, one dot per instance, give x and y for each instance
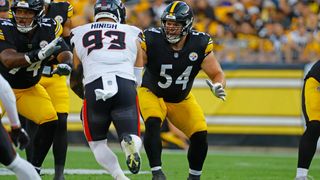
(35, 5)
(180, 12)
(113, 9)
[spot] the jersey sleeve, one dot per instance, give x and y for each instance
(315, 71)
(70, 10)
(142, 40)
(6, 38)
(209, 47)
(58, 29)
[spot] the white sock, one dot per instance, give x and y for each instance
(9, 101)
(301, 172)
(194, 172)
(156, 168)
(23, 169)
(105, 157)
(137, 145)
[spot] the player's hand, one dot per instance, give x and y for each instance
(62, 70)
(217, 89)
(19, 137)
(43, 53)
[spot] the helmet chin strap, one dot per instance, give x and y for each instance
(173, 39)
(26, 29)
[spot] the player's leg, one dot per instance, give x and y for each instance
(189, 118)
(12, 160)
(309, 139)
(96, 121)
(126, 119)
(56, 87)
(31, 129)
(153, 111)
(35, 104)
(60, 146)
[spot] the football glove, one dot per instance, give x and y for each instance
(217, 89)
(43, 53)
(19, 137)
(62, 70)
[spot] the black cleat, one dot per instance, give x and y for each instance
(158, 175)
(133, 159)
(193, 177)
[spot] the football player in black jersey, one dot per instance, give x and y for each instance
(55, 82)
(27, 42)
(311, 112)
(174, 54)
(4, 9)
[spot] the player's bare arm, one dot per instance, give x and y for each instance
(212, 68)
(67, 28)
(10, 58)
(139, 59)
(138, 66)
(65, 57)
(76, 76)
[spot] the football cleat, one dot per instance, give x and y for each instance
(133, 157)
(158, 175)
(122, 177)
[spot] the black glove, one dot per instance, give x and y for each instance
(19, 137)
(43, 53)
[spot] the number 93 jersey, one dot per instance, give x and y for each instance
(168, 73)
(106, 48)
(10, 38)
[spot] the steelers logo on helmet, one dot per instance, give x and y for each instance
(59, 19)
(193, 56)
(43, 44)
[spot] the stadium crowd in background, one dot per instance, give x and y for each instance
(246, 31)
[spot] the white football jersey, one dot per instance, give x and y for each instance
(106, 48)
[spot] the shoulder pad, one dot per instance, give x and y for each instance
(6, 22)
(5, 25)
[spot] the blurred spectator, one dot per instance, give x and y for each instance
(256, 31)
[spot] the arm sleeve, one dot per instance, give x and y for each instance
(9, 102)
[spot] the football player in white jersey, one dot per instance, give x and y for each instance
(9, 157)
(108, 60)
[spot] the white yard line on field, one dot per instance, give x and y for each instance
(4, 171)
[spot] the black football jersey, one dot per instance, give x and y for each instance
(10, 38)
(168, 73)
(314, 71)
(60, 11)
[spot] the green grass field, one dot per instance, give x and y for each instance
(221, 164)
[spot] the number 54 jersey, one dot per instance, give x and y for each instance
(169, 74)
(106, 48)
